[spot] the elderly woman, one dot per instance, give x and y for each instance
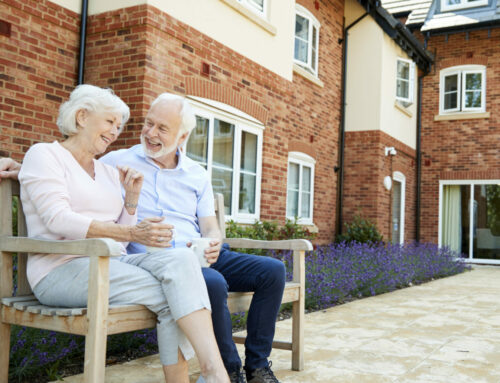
(68, 194)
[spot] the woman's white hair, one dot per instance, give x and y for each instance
(91, 98)
(186, 112)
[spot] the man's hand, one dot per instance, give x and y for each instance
(212, 252)
(9, 168)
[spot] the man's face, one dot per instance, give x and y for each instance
(161, 133)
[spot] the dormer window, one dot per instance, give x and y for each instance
(452, 5)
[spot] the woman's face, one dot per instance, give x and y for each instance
(98, 129)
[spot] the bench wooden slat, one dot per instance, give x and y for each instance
(9, 301)
(22, 306)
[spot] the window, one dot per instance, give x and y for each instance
(450, 5)
(405, 79)
(300, 187)
(228, 143)
(306, 40)
(469, 218)
(462, 89)
(258, 6)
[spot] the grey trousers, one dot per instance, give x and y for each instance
(169, 283)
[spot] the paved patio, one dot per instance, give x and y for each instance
(447, 330)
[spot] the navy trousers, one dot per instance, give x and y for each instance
(239, 272)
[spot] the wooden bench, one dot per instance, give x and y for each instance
(97, 320)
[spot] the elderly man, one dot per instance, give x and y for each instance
(180, 190)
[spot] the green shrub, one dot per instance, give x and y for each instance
(269, 230)
(360, 230)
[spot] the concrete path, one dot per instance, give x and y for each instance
(444, 331)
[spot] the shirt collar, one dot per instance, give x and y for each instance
(181, 162)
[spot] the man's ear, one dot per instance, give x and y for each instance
(81, 117)
(183, 138)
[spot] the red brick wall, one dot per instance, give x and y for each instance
(38, 66)
(365, 168)
(460, 149)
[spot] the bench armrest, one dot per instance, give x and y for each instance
(288, 244)
(95, 247)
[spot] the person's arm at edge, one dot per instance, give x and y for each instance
(9, 168)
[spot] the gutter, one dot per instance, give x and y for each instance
(340, 167)
(83, 37)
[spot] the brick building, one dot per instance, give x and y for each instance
(266, 80)
(460, 125)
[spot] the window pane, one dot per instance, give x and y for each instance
(293, 176)
(248, 152)
(300, 50)
(292, 203)
(402, 89)
(258, 4)
(223, 144)
(247, 194)
(455, 217)
(473, 99)
(473, 81)
(222, 181)
(452, 2)
(306, 179)
(403, 70)
(313, 46)
(451, 83)
(301, 27)
(305, 209)
(450, 101)
(487, 221)
(197, 146)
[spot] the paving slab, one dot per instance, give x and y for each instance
(447, 330)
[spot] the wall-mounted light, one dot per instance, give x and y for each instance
(388, 182)
(390, 150)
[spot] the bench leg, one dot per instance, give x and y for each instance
(298, 336)
(4, 352)
(97, 312)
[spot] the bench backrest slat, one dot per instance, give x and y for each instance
(10, 189)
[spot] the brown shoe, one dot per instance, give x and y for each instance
(262, 375)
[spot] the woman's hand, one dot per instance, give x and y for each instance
(151, 232)
(131, 179)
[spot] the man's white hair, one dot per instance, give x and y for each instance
(93, 99)
(186, 113)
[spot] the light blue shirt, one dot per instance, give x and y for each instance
(181, 195)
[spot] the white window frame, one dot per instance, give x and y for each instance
(242, 122)
(302, 160)
(411, 80)
(471, 183)
(464, 4)
(400, 177)
(313, 21)
(251, 5)
(462, 71)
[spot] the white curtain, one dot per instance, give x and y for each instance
(452, 218)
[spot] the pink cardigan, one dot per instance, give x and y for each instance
(60, 200)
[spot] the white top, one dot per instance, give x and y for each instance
(60, 200)
(181, 195)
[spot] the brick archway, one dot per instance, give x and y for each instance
(224, 94)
